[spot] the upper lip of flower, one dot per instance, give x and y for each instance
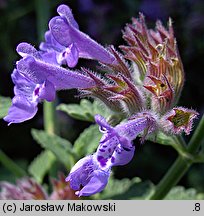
(66, 32)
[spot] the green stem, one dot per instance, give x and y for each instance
(197, 139)
(11, 166)
(49, 108)
(180, 166)
(50, 119)
(42, 15)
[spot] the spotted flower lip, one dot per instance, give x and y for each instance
(115, 149)
(86, 173)
(76, 44)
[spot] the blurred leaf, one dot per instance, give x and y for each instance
(84, 111)
(171, 140)
(126, 189)
(11, 165)
(80, 111)
(88, 141)
(5, 103)
(41, 165)
(6, 175)
(60, 147)
(162, 138)
(180, 193)
(99, 108)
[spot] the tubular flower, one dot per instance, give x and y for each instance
(36, 80)
(115, 148)
(70, 43)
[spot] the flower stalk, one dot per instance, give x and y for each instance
(181, 165)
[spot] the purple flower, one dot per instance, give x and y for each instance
(87, 173)
(70, 43)
(36, 80)
(115, 148)
(27, 95)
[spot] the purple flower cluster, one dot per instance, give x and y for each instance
(144, 92)
(38, 75)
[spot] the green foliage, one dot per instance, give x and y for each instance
(88, 141)
(84, 111)
(41, 165)
(162, 138)
(170, 140)
(60, 147)
(127, 189)
(5, 103)
(180, 193)
(12, 166)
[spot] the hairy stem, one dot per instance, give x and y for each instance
(181, 165)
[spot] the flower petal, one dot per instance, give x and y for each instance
(21, 110)
(65, 11)
(122, 156)
(79, 174)
(65, 33)
(96, 184)
(104, 126)
(39, 71)
(50, 43)
(72, 56)
(47, 91)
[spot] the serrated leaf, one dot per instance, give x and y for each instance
(82, 111)
(88, 141)
(60, 147)
(180, 193)
(41, 165)
(126, 189)
(5, 103)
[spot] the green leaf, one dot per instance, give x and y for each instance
(162, 138)
(126, 189)
(99, 108)
(41, 165)
(60, 147)
(170, 140)
(5, 103)
(180, 193)
(88, 141)
(84, 111)
(11, 165)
